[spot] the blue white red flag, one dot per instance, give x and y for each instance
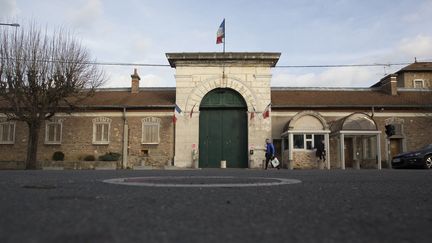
(191, 112)
(267, 111)
(177, 112)
(220, 36)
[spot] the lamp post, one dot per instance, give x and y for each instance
(13, 25)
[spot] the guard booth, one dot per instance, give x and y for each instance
(358, 141)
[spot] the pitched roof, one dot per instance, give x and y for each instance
(417, 67)
(285, 98)
(281, 98)
(147, 97)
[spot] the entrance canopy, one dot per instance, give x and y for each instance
(359, 128)
(354, 122)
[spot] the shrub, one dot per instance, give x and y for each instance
(110, 157)
(89, 158)
(58, 156)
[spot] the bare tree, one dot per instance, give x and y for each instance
(41, 74)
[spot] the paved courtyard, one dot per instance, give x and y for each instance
(216, 206)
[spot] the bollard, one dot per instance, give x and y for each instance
(223, 164)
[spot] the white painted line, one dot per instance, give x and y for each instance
(147, 181)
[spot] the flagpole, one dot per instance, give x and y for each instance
(224, 36)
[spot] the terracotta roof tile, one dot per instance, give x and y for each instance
(334, 98)
(146, 97)
(417, 66)
(281, 98)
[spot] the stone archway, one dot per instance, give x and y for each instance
(198, 93)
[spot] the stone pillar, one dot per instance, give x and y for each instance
(342, 151)
(327, 147)
(291, 146)
(378, 141)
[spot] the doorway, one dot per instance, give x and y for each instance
(223, 129)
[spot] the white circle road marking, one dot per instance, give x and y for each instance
(144, 181)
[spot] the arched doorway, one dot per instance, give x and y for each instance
(223, 129)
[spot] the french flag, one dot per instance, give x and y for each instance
(220, 36)
(177, 112)
(267, 111)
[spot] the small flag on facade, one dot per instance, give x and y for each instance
(220, 36)
(177, 113)
(267, 111)
(252, 116)
(191, 112)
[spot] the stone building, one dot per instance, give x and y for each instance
(221, 98)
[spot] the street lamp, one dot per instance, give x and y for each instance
(14, 24)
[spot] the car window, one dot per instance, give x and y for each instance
(429, 146)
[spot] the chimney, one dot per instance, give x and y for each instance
(389, 84)
(135, 82)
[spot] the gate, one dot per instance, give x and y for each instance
(223, 129)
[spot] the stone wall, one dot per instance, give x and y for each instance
(77, 135)
(304, 160)
(406, 79)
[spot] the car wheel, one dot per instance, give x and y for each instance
(428, 162)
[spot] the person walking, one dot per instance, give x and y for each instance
(320, 153)
(270, 153)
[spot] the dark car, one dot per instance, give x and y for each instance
(419, 158)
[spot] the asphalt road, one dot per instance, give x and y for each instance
(327, 206)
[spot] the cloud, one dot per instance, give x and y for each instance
(418, 46)
(331, 77)
(87, 14)
(8, 8)
(120, 76)
(151, 80)
(406, 49)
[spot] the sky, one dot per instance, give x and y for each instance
(305, 32)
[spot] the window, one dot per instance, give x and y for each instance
(418, 83)
(308, 141)
(299, 141)
(150, 130)
(7, 132)
(53, 131)
(101, 130)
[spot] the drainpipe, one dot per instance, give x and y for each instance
(125, 140)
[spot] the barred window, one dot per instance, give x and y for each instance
(53, 131)
(7, 133)
(307, 141)
(150, 130)
(101, 130)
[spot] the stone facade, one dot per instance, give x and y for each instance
(406, 79)
(198, 73)
(393, 100)
(77, 137)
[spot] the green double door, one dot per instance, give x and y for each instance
(223, 130)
